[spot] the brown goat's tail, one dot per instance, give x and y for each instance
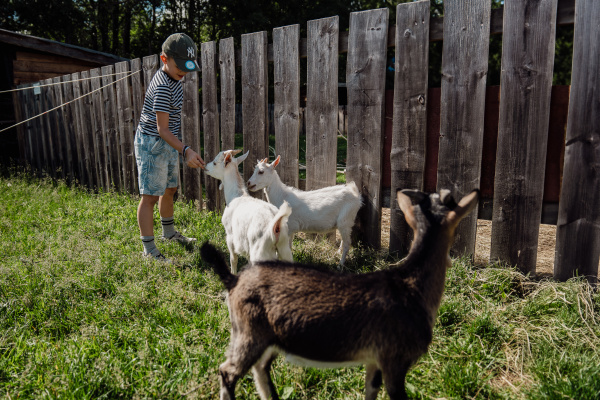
(215, 259)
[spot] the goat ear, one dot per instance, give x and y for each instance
(228, 156)
(277, 229)
(276, 162)
(234, 152)
(241, 158)
(464, 207)
(265, 160)
(406, 206)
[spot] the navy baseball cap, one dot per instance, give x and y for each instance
(183, 50)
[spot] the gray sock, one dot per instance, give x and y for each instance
(168, 226)
(149, 246)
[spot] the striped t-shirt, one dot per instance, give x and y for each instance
(164, 94)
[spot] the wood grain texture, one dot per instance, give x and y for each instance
(99, 134)
(409, 137)
(322, 102)
(578, 226)
(66, 92)
(190, 135)
(365, 79)
(110, 127)
(527, 64)
(227, 75)
(286, 114)
(464, 71)
(255, 85)
(126, 125)
(210, 119)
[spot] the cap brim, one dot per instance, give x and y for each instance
(187, 65)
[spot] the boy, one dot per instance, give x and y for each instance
(158, 142)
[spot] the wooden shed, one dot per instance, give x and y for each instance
(26, 59)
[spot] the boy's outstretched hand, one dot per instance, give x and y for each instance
(193, 160)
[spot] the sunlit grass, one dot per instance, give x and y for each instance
(84, 315)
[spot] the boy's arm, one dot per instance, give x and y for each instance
(192, 159)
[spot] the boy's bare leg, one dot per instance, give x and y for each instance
(165, 203)
(145, 214)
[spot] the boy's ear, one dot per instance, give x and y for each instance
(163, 58)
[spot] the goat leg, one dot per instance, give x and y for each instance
(372, 381)
(262, 377)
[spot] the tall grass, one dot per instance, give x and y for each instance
(84, 315)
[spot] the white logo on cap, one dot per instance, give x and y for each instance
(191, 52)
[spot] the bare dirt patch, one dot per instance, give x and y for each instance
(546, 244)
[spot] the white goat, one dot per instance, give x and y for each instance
(254, 227)
(315, 211)
(383, 319)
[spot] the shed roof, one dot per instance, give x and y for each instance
(58, 48)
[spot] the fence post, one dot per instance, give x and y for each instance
(210, 119)
(110, 125)
(227, 73)
(365, 77)
(286, 118)
(66, 95)
(578, 226)
(409, 131)
(126, 127)
(322, 102)
(255, 82)
(99, 136)
(464, 71)
(527, 62)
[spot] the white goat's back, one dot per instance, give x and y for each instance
(249, 224)
(322, 209)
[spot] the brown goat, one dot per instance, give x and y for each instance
(314, 317)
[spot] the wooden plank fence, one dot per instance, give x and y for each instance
(438, 138)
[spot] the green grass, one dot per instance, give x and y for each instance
(84, 315)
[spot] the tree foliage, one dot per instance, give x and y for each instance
(136, 28)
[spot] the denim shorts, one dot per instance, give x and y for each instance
(157, 164)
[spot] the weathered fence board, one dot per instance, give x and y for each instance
(286, 114)
(138, 92)
(100, 139)
(190, 134)
(527, 62)
(17, 100)
(150, 65)
(126, 126)
(255, 83)
(66, 90)
(578, 227)
(60, 128)
(322, 102)
(210, 119)
(464, 71)
(365, 77)
(87, 128)
(77, 137)
(227, 74)
(409, 137)
(49, 121)
(110, 126)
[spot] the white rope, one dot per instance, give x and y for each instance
(68, 102)
(60, 83)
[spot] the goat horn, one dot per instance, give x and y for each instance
(447, 199)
